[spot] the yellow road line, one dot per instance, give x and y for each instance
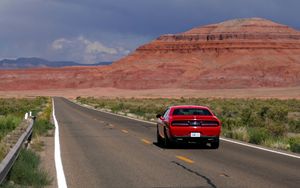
(185, 159)
(124, 131)
(145, 141)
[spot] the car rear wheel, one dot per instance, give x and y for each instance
(166, 140)
(159, 138)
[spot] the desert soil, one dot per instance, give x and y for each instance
(281, 93)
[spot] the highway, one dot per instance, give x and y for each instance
(103, 150)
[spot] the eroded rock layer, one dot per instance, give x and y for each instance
(234, 54)
(242, 53)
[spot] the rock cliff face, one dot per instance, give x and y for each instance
(242, 53)
(255, 33)
(238, 53)
(49, 78)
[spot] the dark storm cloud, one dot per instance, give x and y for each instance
(96, 30)
(155, 17)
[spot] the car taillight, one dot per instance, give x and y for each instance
(180, 123)
(210, 123)
(195, 123)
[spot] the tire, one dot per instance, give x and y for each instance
(159, 138)
(166, 141)
(215, 145)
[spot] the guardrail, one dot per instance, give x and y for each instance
(13, 154)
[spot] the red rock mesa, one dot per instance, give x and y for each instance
(241, 53)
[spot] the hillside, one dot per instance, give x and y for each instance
(241, 53)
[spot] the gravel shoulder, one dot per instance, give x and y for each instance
(47, 159)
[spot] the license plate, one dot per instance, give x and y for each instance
(195, 134)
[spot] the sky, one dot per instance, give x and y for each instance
(92, 31)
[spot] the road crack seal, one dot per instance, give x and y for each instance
(196, 173)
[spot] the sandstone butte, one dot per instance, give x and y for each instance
(240, 53)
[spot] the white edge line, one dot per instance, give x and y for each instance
(261, 148)
(60, 175)
(223, 139)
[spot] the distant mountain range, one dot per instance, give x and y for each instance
(33, 62)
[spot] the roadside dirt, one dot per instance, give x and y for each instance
(281, 93)
(47, 159)
(45, 147)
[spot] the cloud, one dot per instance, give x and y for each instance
(60, 44)
(96, 47)
(85, 50)
(50, 28)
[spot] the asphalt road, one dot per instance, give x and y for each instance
(103, 150)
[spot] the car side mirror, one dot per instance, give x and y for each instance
(158, 116)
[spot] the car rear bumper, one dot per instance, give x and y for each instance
(185, 131)
(202, 139)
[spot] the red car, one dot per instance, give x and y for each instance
(188, 123)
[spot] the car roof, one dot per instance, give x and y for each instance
(188, 106)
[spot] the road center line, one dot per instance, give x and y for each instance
(185, 159)
(145, 141)
(60, 175)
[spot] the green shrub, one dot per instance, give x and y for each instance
(41, 127)
(19, 107)
(278, 114)
(257, 135)
(230, 123)
(7, 124)
(26, 170)
(294, 126)
(278, 143)
(100, 105)
(276, 129)
(255, 121)
(227, 133)
(295, 144)
(246, 116)
(263, 112)
(240, 133)
(42, 123)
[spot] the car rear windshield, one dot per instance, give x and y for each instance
(191, 111)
